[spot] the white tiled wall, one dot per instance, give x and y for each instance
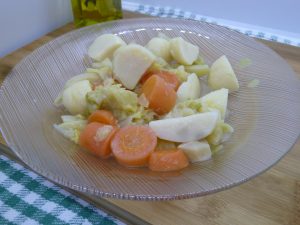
(23, 21)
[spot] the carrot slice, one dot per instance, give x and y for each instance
(102, 116)
(146, 76)
(96, 138)
(132, 145)
(170, 78)
(168, 160)
(160, 95)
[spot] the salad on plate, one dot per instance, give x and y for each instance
(143, 105)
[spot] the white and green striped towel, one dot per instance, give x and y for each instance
(27, 198)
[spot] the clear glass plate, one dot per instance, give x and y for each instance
(266, 118)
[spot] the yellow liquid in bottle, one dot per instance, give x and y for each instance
(88, 12)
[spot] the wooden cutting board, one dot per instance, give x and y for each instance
(271, 198)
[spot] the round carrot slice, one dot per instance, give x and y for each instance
(146, 76)
(160, 95)
(132, 145)
(168, 160)
(96, 138)
(170, 78)
(102, 116)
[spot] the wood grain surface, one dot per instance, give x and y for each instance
(271, 198)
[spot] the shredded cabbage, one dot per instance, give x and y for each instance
(220, 134)
(199, 61)
(102, 69)
(105, 63)
(185, 108)
(162, 62)
(200, 70)
(158, 65)
(121, 102)
(103, 72)
(215, 148)
(142, 116)
(71, 127)
(180, 73)
(163, 144)
(90, 76)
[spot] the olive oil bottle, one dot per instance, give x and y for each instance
(88, 12)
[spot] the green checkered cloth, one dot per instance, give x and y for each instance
(27, 198)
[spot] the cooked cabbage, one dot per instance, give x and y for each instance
(215, 148)
(121, 102)
(141, 116)
(71, 127)
(220, 134)
(185, 108)
(105, 63)
(180, 73)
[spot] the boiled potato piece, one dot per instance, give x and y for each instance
(196, 151)
(189, 89)
(130, 63)
(160, 47)
(73, 97)
(185, 129)
(104, 46)
(217, 100)
(222, 75)
(183, 51)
